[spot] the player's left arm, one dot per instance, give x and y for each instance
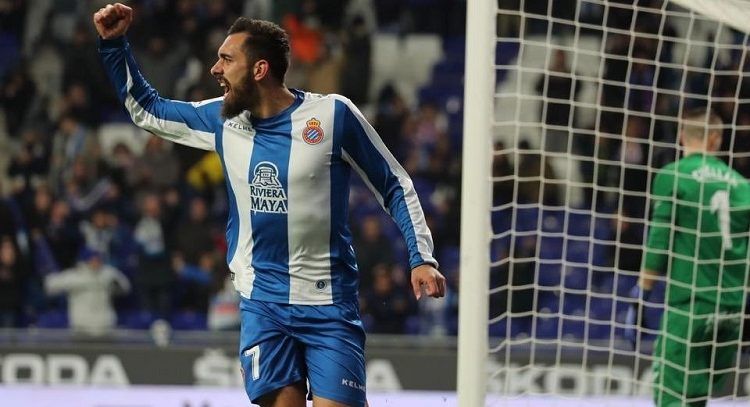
(363, 149)
(660, 228)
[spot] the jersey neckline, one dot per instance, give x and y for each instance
(282, 115)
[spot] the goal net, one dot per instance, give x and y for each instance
(585, 111)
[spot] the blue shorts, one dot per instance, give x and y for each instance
(281, 344)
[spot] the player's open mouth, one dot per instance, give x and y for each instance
(224, 86)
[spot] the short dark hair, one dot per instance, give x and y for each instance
(265, 40)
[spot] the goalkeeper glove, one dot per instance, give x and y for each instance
(635, 317)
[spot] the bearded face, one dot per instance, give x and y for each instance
(233, 70)
(239, 96)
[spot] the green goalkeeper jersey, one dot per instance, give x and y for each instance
(699, 232)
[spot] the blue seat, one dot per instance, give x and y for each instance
(52, 318)
(599, 331)
(527, 219)
(604, 282)
(454, 47)
(501, 220)
(412, 325)
(603, 228)
(546, 327)
(551, 247)
(577, 251)
(573, 328)
(579, 224)
(623, 283)
(188, 321)
(549, 275)
(137, 319)
(518, 326)
(548, 301)
(574, 304)
(576, 278)
(506, 52)
(553, 220)
(600, 309)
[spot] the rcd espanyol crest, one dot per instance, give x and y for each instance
(312, 133)
(266, 192)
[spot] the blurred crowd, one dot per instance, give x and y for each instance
(103, 226)
(614, 142)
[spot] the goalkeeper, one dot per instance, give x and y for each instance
(698, 237)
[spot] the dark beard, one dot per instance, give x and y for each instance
(238, 99)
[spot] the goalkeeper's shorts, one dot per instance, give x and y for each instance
(282, 344)
(693, 356)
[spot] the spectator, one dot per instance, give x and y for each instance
(90, 286)
(193, 238)
(62, 234)
(424, 129)
(195, 281)
(392, 114)
(8, 225)
(98, 231)
(154, 276)
(373, 249)
(82, 67)
(71, 142)
(633, 174)
(30, 163)
(223, 310)
(559, 90)
(386, 304)
(534, 178)
(17, 94)
(162, 61)
(156, 168)
(38, 214)
(355, 74)
(11, 282)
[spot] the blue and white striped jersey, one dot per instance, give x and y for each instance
(288, 183)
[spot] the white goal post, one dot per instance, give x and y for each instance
(567, 213)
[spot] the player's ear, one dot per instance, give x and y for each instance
(260, 69)
(714, 139)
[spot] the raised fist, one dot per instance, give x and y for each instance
(113, 20)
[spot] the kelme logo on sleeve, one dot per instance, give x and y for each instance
(266, 193)
(312, 133)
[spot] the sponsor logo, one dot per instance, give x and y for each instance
(238, 126)
(312, 133)
(62, 369)
(321, 284)
(352, 384)
(266, 193)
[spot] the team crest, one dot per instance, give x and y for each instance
(312, 133)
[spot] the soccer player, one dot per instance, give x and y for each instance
(287, 158)
(698, 238)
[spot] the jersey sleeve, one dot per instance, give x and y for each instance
(189, 123)
(62, 282)
(363, 149)
(663, 195)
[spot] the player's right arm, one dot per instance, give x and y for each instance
(192, 124)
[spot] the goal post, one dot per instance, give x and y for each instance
(479, 89)
(570, 109)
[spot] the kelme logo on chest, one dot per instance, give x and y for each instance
(312, 133)
(238, 126)
(266, 192)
